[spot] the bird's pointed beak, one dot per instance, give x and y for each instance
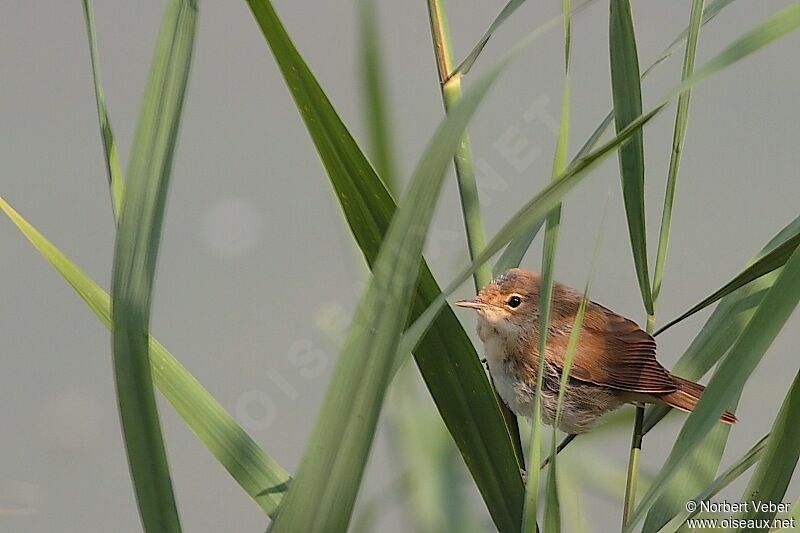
(472, 303)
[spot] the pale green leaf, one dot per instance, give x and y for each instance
(135, 255)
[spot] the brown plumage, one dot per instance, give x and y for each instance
(614, 363)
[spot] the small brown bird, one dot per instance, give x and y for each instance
(614, 362)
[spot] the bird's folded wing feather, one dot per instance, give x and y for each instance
(612, 351)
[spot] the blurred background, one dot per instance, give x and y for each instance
(258, 273)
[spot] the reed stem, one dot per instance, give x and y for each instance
(465, 175)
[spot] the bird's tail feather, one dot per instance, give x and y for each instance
(686, 397)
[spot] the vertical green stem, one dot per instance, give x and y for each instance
(633, 465)
(552, 514)
(465, 175)
(679, 136)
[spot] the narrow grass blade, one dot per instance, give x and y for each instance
(116, 180)
(552, 507)
(329, 475)
(529, 524)
(730, 377)
(766, 264)
(726, 323)
(467, 62)
(446, 358)
(730, 475)
(678, 137)
(775, 27)
(552, 516)
(627, 92)
(258, 473)
(376, 109)
(774, 472)
(135, 256)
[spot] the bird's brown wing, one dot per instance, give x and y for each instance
(612, 351)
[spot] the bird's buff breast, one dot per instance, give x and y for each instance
(584, 403)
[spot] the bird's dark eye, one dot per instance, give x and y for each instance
(514, 301)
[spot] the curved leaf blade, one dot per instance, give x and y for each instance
(678, 138)
(446, 358)
(259, 474)
(332, 467)
(627, 92)
(135, 257)
(507, 11)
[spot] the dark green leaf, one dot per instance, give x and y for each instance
(332, 467)
(446, 358)
(627, 91)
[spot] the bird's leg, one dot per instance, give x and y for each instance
(569, 438)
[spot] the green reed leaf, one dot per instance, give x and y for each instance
(627, 92)
(258, 473)
(446, 358)
(135, 257)
(330, 473)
